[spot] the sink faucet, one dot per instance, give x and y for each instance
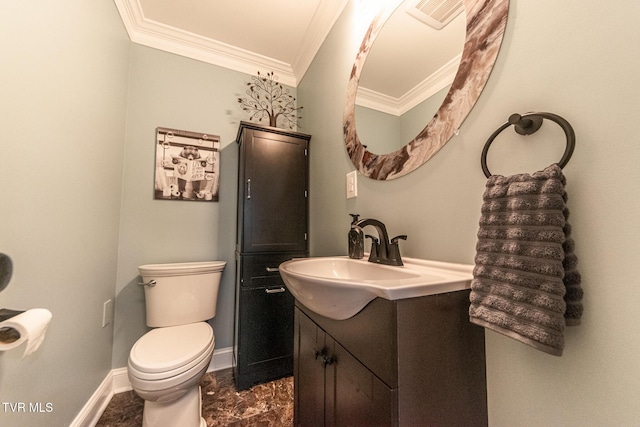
(383, 250)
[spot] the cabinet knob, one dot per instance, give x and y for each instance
(326, 361)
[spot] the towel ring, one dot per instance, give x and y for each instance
(528, 124)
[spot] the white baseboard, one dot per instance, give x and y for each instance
(120, 380)
(117, 381)
(97, 403)
(222, 359)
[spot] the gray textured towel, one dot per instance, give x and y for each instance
(525, 282)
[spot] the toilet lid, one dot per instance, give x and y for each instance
(165, 349)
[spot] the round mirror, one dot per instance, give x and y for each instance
(485, 21)
(397, 88)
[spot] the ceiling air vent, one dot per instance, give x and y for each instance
(436, 13)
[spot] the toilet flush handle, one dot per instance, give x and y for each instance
(150, 283)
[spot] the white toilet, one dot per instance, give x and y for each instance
(167, 363)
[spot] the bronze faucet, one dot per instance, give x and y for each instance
(383, 250)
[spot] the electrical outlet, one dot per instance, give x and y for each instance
(352, 185)
(107, 313)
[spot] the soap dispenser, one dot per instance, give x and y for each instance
(356, 239)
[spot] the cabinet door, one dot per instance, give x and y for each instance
(265, 347)
(332, 388)
(275, 193)
(308, 376)
(354, 395)
(268, 321)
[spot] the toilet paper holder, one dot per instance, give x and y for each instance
(7, 313)
(6, 269)
(8, 335)
(28, 326)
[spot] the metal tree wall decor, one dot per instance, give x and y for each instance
(267, 99)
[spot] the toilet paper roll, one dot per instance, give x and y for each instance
(29, 326)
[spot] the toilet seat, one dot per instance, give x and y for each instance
(166, 352)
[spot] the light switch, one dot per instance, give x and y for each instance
(352, 185)
(107, 313)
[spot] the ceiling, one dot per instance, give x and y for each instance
(248, 36)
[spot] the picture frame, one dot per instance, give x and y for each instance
(187, 166)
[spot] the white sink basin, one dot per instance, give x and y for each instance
(339, 287)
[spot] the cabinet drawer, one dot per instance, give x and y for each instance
(262, 270)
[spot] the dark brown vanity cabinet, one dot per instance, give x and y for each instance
(272, 228)
(332, 387)
(412, 362)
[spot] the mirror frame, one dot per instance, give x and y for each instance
(486, 23)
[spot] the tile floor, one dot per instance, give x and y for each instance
(267, 405)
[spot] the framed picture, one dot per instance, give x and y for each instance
(187, 165)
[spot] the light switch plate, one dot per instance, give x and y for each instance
(107, 312)
(352, 185)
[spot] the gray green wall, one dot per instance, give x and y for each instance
(385, 133)
(79, 108)
(564, 57)
(63, 100)
(172, 91)
(380, 130)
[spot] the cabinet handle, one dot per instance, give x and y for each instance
(272, 269)
(275, 290)
(249, 188)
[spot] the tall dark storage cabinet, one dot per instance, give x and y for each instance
(273, 191)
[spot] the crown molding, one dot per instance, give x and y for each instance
(160, 36)
(323, 20)
(398, 106)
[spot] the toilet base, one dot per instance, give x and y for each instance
(185, 411)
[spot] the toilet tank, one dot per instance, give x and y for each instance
(181, 293)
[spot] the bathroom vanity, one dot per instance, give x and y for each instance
(406, 362)
(272, 228)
